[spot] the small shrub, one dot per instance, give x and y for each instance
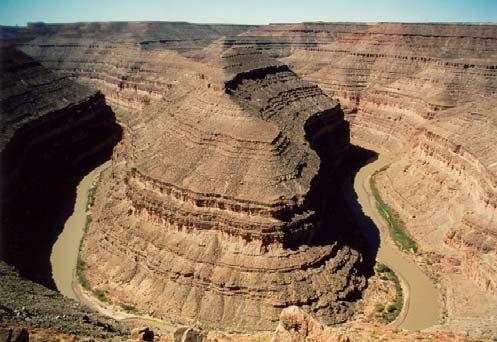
(392, 307)
(381, 268)
(80, 269)
(392, 310)
(128, 307)
(100, 295)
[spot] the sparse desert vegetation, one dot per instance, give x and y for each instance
(395, 224)
(388, 312)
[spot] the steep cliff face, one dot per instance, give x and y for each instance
(428, 92)
(210, 188)
(425, 91)
(131, 63)
(52, 131)
(130, 77)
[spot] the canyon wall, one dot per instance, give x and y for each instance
(425, 92)
(428, 93)
(180, 36)
(223, 173)
(53, 130)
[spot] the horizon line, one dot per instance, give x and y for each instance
(270, 23)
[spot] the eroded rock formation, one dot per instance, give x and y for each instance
(213, 210)
(427, 92)
(52, 131)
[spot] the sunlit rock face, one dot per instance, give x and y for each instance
(212, 211)
(425, 91)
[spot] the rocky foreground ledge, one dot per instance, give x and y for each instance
(24, 304)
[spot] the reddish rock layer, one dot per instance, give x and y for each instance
(425, 90)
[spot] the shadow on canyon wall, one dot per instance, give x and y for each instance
(333, 197)
(39, 176)
(366, 230)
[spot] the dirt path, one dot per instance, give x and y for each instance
(421, 306)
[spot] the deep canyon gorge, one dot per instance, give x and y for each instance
(229, 146)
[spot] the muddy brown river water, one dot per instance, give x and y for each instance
(421, 309)
(422, 304)
(65, 250)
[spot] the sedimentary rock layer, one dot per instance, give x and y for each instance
(208, 191)
(428, 91)
(181, 36)
(52, 131)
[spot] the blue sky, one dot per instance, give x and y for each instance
(19, 12)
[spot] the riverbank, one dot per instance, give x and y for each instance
(396, 226)
(421, 303)
(108, 309)
(65, 251)
(420, 307)
(65, 260)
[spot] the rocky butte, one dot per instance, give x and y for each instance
(224, 203)
(213, 212)
(427, 93)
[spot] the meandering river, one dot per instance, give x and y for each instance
(65, 250)
(422, 310)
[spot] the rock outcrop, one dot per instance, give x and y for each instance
(427, 92)
(214, 213)
(25, 304)
(298, 326)
(52, 131)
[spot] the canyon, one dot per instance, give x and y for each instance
(223, 205)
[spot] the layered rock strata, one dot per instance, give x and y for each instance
(213, 215)
(429, 92)
(52, 131)
(180, 36)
